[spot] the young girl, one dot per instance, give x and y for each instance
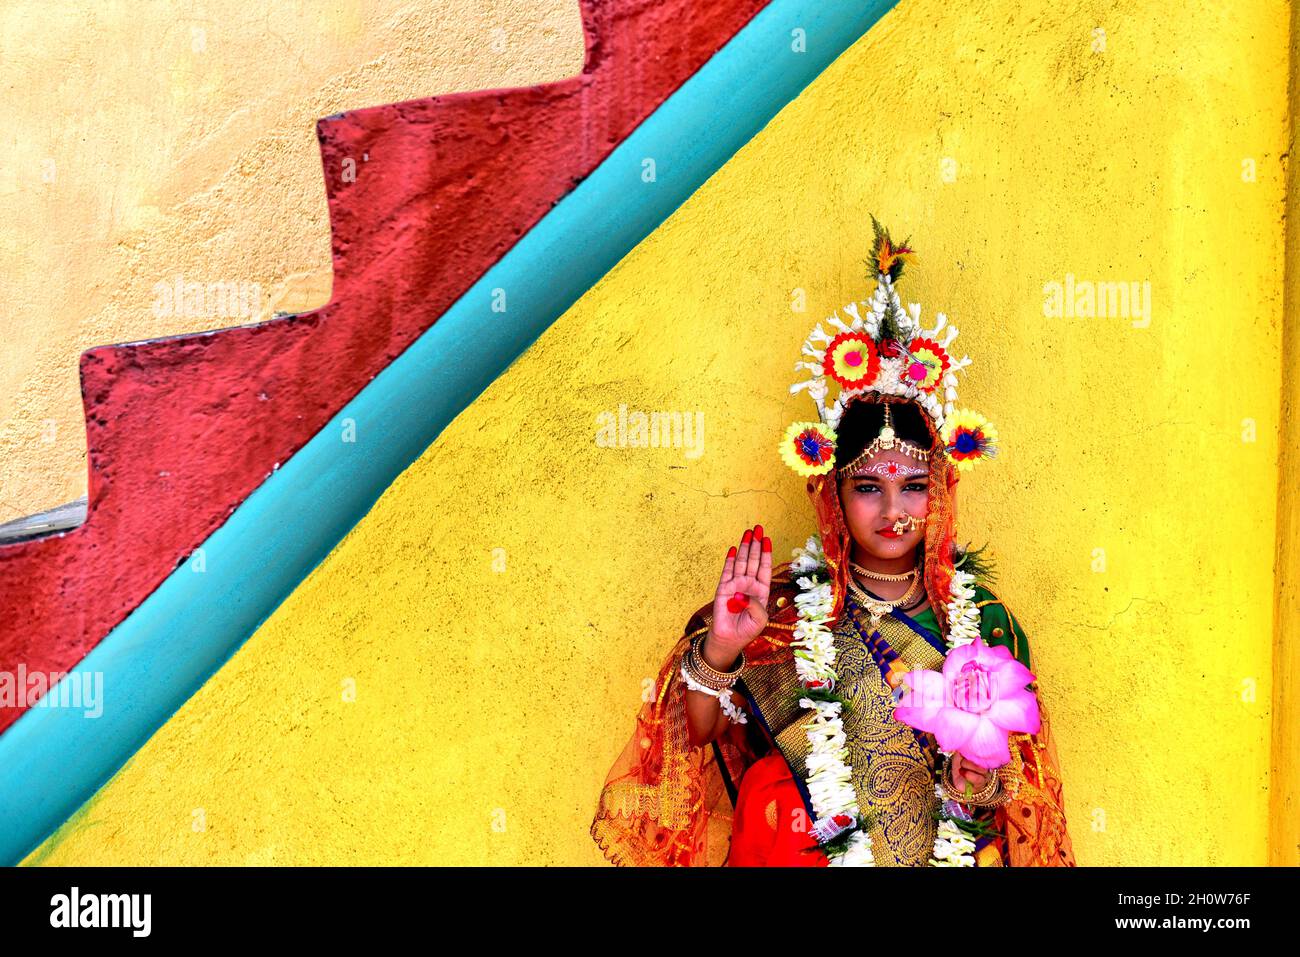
(739, 758)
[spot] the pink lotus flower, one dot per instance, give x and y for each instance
(973, 704)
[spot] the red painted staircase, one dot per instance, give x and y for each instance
(181, 430)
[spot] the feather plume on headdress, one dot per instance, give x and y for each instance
(886, 258)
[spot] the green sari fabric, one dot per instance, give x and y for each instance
(997, 625)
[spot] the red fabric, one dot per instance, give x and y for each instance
(766, 836)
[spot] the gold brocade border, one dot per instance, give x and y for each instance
(897, 784)
(900, 796)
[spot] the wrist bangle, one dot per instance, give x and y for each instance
(691, 665)
(707, 670)
(989, 795)
(996, 796)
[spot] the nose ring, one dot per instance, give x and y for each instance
(907, 523)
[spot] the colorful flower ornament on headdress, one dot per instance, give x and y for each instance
(809, 448)
(883, 349)
(968, 438)
(926, 364)
(852, 360)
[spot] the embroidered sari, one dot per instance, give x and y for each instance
(741, 799)
(897, 766)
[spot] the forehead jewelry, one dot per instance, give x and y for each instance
(891, 470)
(888, 441)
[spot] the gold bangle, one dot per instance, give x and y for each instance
(997, 797)
(703, 674)
(692, 669)
(702, 666)
(986, 796)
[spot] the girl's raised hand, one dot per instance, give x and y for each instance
(740, 604)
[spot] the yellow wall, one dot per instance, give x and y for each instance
(491, 702)
(145, 139)
(1284, 792)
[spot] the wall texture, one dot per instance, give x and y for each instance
(153, 139)
(1284, 789)
(451, 684)
(424, 196)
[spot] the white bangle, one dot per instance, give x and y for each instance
(724, 698)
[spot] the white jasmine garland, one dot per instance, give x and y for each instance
(858, 853)
(963, 613)
(810, 557)
(952, 846)
(830, 776)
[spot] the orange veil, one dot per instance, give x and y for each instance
(666, 803)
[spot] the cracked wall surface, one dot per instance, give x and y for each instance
(500, 608)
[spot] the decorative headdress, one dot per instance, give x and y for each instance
(883, 349)
(881, 354)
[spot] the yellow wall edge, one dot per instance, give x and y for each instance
(1284, 788)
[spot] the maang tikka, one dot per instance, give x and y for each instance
(888, 441)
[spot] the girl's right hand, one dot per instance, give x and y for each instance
(747, 572)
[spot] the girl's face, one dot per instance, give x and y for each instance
(887, 487)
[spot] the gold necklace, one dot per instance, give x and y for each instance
(878, 608)
(882, 576)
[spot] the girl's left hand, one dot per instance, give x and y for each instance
(963, 770)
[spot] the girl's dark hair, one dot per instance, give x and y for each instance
(861, 422)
